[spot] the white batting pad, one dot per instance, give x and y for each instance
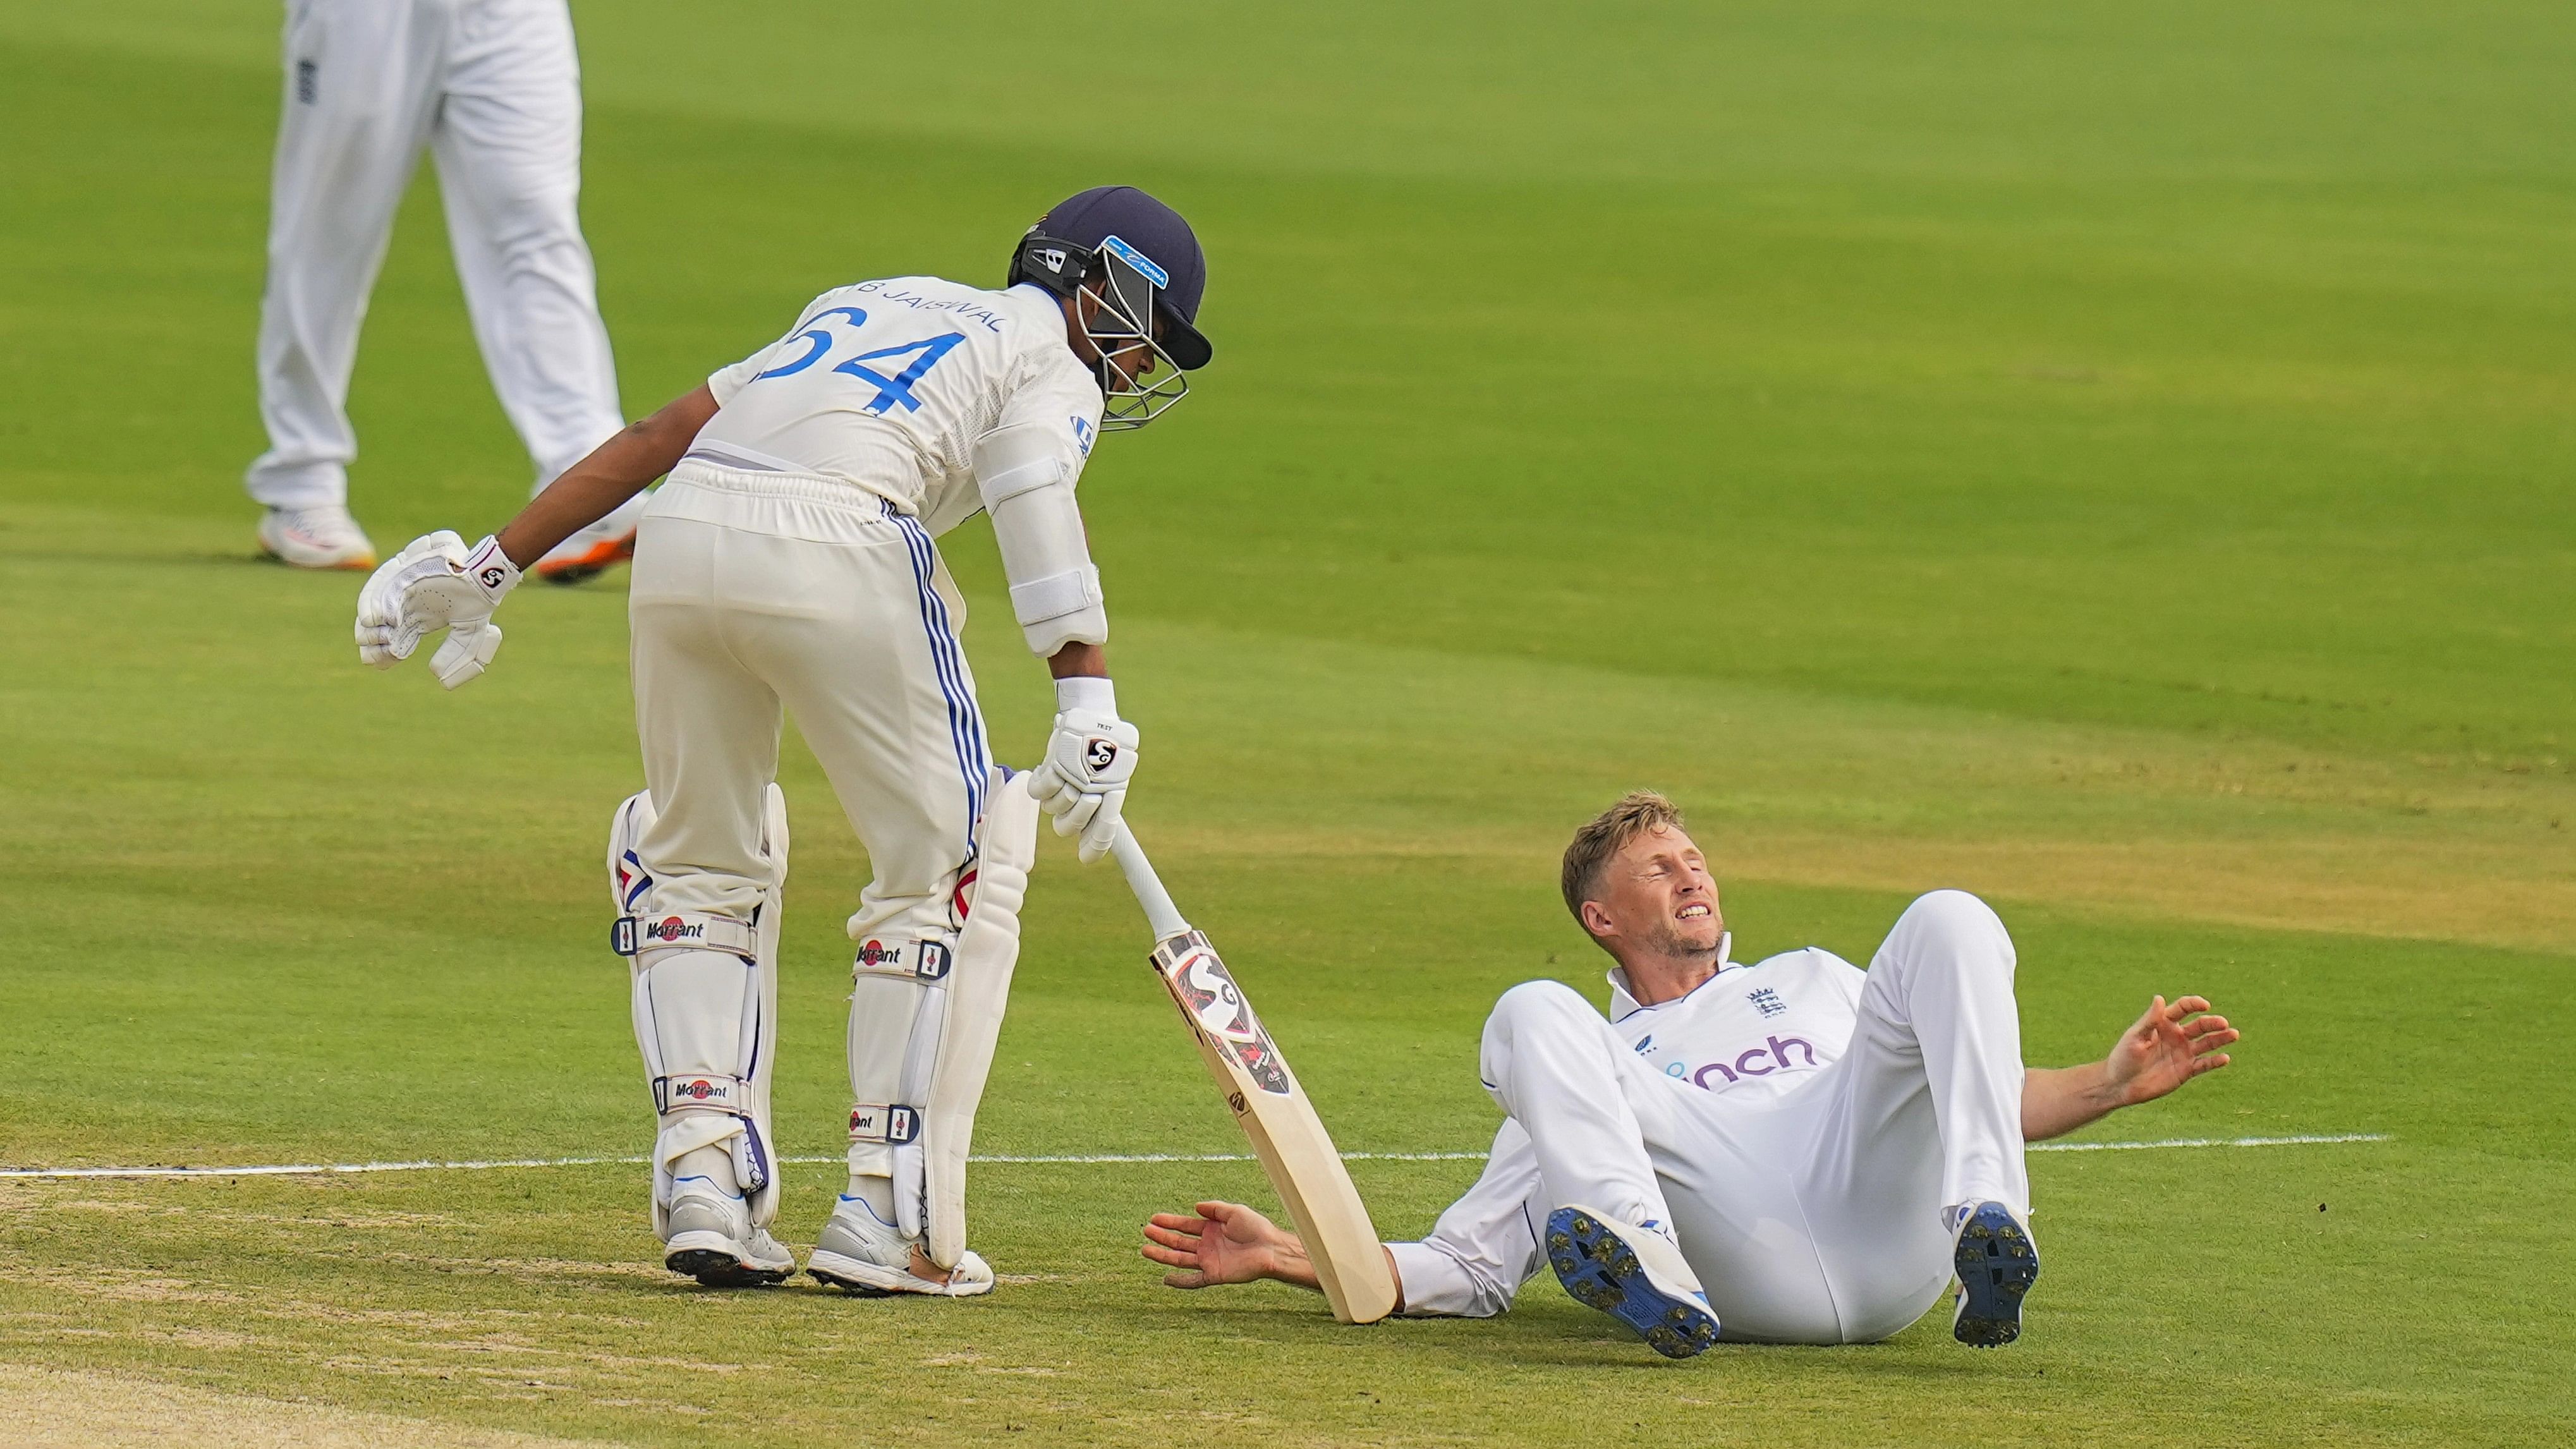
(988, 949)
(706, 1013)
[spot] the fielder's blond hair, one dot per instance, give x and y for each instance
(1604, 836)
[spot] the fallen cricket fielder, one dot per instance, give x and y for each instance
(1794, 1149)
(788, 566)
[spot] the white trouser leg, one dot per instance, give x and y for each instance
(915, 807)
(811, 593)
(360, 93)
(508, 149)
(1612, 1133)
(709, 844)
(1588, 1104)
(709, 727)
(1922, 1112)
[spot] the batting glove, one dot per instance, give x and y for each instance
(436, 583)
(1083, 780)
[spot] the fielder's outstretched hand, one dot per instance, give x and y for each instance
(2168, 1046)
(436, 583)
(1226, 1243)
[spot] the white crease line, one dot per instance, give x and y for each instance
(1213, 1157)
(320, 1169)
(2299, 1141)
(317, 1169)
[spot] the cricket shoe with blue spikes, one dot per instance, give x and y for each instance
(709, 1236)
(1636, 1274)
(1997, 1262)
(864, 1254)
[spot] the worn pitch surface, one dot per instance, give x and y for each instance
(2113, 460)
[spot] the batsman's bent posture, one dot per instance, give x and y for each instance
(789, 562)
(1796, 1150)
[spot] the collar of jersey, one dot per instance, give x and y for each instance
(1623, 1005)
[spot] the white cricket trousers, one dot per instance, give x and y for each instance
(756, 592)
(493, 89)
(1816, 1216)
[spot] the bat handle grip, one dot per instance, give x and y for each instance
(1160, 913)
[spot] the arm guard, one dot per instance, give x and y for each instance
(1028, 487)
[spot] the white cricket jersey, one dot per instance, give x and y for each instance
(887, 385)
(1749, 1031)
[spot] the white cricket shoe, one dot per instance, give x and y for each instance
(596, 549)
(1634, 1273)
(325, 537)
(864, 1254)
(711, 1237)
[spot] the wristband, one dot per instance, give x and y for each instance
(491, 570)
(1087, 691)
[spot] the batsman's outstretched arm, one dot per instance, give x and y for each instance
(614, 471)
(1230, 1243)
(2169, 1045)
(437, 583)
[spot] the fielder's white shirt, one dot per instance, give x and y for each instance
(1749, 1031)
(887, 385)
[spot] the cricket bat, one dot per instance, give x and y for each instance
(1295, 1150)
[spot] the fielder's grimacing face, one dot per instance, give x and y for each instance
(1656, 895)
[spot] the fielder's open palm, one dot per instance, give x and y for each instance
(2173, 1043)
(1226, 1243)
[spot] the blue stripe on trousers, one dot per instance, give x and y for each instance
(965, 724)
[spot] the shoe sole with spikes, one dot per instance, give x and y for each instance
(716, 1263)
(1599, 1270)
(1997, 1262)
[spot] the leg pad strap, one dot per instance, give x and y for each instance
(698, 1093)
(927, 959)
(891, 1123)
(636, 935)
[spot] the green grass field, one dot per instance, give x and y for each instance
(2117, 459)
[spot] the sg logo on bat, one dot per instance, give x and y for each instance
(1207, 994)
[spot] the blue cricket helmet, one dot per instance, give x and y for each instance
(1125, 237)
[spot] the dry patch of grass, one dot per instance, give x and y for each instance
(62, 1409)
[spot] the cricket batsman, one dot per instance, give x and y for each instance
(1794, 1149)
(789, 564)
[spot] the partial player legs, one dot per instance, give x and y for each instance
(709, 728)
(1555, 1066)
(1943, 979)
(1921, 1117)
(1637, 1147)
(706, 1012)
(359, 94)
(494, 89)
(808, 588)
(902, 740)
(508, 148)
(699, 862)
(1552, 1063)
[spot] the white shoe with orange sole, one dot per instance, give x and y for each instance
(316, 538)
(594, 550)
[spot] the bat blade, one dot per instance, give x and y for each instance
(1296, 1152)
